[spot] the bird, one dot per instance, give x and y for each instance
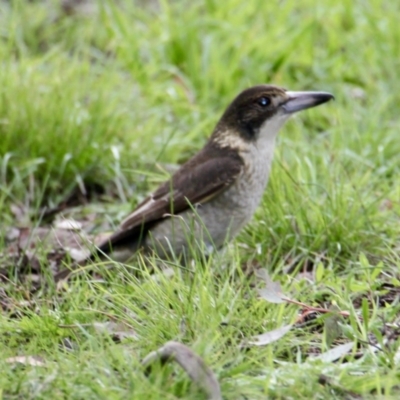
(213, 195)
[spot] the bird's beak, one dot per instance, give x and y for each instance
(298, 101)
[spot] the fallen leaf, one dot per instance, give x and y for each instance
(77, 255)
(68, 224)
(272, 291)
(34, 361)
(191, 363)
(12, 234)
(269, 337)
(335, 353)
(20, 212)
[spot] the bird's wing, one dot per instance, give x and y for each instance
(193, 183)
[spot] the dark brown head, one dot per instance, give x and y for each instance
(261, 110)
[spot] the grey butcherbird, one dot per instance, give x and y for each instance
(214, 194)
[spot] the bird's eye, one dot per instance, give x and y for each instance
(264, 101)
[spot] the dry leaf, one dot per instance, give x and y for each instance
(272, 291)
(191, 363)
(269, 337)
(77, 255)
(21, 213)
(68, 224)
(34, 361)
(335, 353)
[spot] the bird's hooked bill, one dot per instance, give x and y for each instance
(298, 101)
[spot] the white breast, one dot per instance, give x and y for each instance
(258, 160)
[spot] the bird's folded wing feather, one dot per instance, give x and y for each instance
(191, 184)
(194, 185)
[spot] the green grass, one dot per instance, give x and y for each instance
(107, 96)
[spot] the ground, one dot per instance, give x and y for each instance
(99, 103)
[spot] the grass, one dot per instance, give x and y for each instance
(105, 97)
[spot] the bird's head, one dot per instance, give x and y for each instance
(259, 112)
